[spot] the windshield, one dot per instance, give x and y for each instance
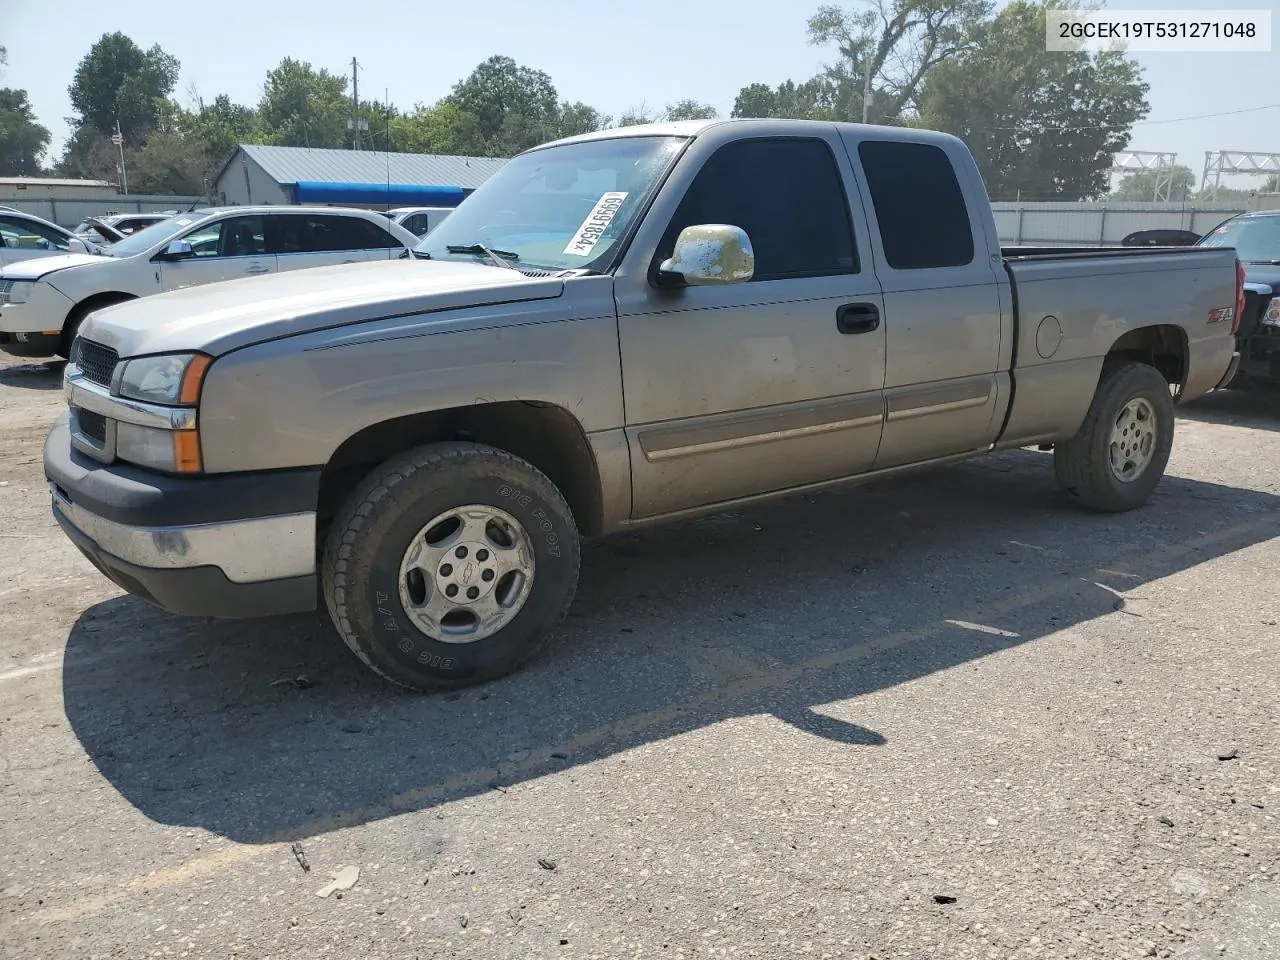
(143, 240)
(1255, 238)
(564, 207)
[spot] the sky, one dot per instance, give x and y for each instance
(415, 50)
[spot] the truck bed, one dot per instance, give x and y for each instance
(1072, 303)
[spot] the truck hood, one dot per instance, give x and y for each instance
(38, 267)
(220, 317)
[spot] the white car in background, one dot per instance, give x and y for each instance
(116, 226)
(24, 236)
(43, 303)
(419, 220)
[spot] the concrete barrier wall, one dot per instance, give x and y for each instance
(1102, 224)
(69, 211)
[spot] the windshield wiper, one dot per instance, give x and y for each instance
(503, 258)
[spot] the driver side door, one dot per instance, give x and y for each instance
(221, 250)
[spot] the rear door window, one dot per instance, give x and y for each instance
(919, 205)
(325, 233)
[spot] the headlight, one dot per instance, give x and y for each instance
(20, 291)
(173, 380)
(1272, 317)
(174, 451)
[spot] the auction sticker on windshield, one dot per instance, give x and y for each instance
(588, 235)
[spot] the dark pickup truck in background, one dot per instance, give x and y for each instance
(1256, 238)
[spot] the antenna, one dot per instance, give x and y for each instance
(386, 95)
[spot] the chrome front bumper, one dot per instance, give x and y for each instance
(246, 551)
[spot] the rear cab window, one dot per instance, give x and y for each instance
(919, 205)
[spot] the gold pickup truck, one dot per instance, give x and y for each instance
(617, 329)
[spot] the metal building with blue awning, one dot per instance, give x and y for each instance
(260, 174)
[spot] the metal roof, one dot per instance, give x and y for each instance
(288, 165)
(53, 182)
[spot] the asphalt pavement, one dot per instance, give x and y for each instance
(944, 716)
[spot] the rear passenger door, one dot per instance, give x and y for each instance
(944, 390)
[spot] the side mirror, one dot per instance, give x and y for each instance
(708, 255)
(76, 245)
(177, 250)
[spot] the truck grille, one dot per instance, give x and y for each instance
(5, 287)
(92, 425)
(95, 361)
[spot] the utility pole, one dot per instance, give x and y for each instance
(355, 104)
(866, 88)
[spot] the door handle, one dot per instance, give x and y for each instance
(858, 318)
(258, 270)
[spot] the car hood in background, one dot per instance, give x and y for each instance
(38, 267)
(219, 317)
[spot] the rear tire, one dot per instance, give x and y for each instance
(449, 565)
(1120, 453)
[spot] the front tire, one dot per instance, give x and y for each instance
(449, 565)
(1121, 450)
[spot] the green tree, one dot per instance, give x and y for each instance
(23, 141)
(221, 126)
(689, 110)
(898, 41)
(822, 98)
(169, 163)
(1041, 125)
(435, 129)
(578, 118)
(1143, 185)
(118, 81)
(511, 108)
(89, 154)
(680, 110)
(304, 107)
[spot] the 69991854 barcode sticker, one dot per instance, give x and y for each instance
(588, 235)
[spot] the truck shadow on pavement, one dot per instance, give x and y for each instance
(1257, 406)
(773, 611)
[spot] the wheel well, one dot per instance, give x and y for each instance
(545, 435)
(81, 310)
(97, 300)
(1163, 347)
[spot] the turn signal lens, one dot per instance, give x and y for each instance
(193, 379)
(186, 451)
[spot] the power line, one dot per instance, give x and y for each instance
(1210, 116)
(1138, 123)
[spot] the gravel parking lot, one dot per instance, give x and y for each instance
(946, 716)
